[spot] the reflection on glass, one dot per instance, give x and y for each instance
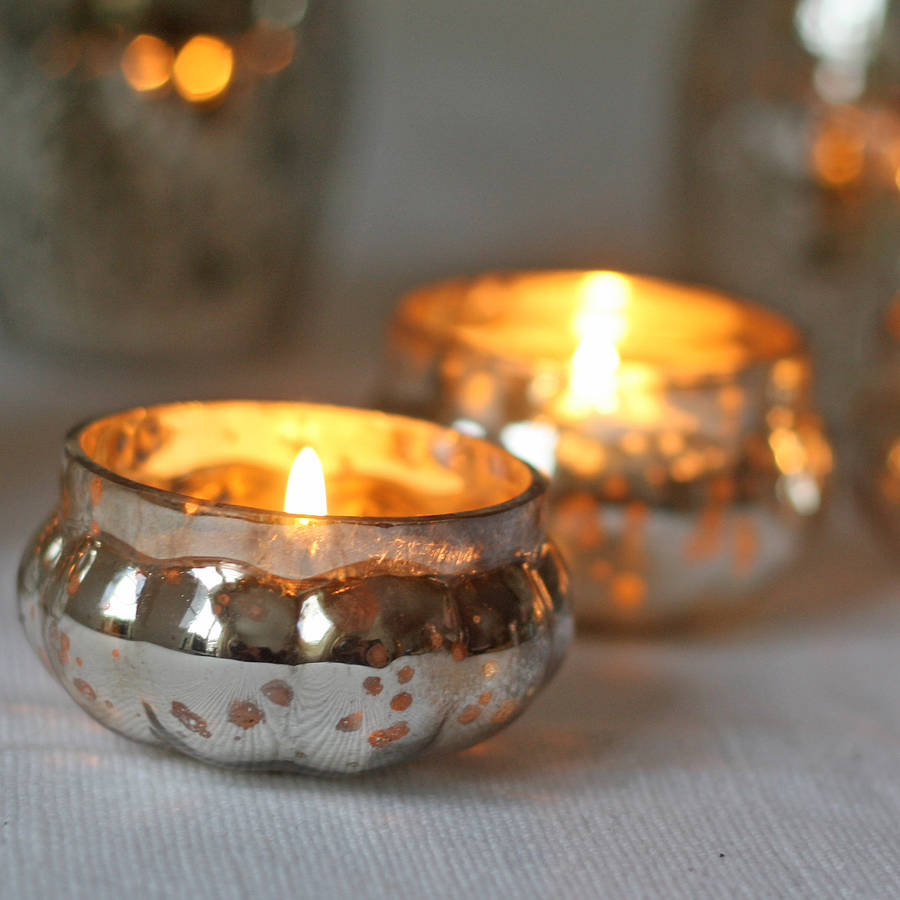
(313, 624)
(120, 597)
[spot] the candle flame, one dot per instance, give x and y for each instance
(599, 324)
(305, 493)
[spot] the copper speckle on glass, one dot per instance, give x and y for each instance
(256, 612)
(108, 704)
(506, 712)
(96, 490)
(372, 685)
(634, 443)
(627, 590)
(401, 701)
(386, 736)
(77, 660)
(731, 399)
(839, 148)
(615, 487)
(190, 720)
(746, 544)
(469, 714)
(190, 507)
(172, 575)
(405, 674)
(245, 714)
(115, 654)
(485, 698)
(84, 689)
(458, 651)
(377, 656)
(63, 651)
(490, 669)
(353, 722)
(278, 692)
(704, 541)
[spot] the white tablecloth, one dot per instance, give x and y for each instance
(759, 760)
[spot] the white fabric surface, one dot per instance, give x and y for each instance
(758, 760)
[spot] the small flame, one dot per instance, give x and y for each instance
(305, 494)
(599, 324)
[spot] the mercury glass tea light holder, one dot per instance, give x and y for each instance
(676, 424)
(407, 601)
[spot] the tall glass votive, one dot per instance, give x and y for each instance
(676, 423)
(195, 589)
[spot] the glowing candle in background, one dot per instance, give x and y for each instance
(674, 420)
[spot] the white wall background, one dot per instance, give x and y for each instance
(500, 133)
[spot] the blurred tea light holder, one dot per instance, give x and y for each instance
(199, 68)
(876, 433)
(169, 156)
(675, 422)
(407, 601)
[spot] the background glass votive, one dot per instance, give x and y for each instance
(178, 605)
(163, 171)
(675, 422)
(876, 463)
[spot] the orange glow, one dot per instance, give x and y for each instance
(838, 153)
(599, 325)
(203, 68)
(305, 492)
(58, 53)
(267, 50)
(147, 63)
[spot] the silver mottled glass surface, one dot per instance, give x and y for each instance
(163, 165)
(252, 638)
(791, 152)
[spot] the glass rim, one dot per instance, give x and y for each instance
(535, 488)
(447, 334)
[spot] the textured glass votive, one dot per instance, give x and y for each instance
(675, 421)
(178, 605)
(877, 431)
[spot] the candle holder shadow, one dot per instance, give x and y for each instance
(676, 423)
(251, 638)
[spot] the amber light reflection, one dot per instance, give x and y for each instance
(305, 492)
(147, 63)
(203, 68)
